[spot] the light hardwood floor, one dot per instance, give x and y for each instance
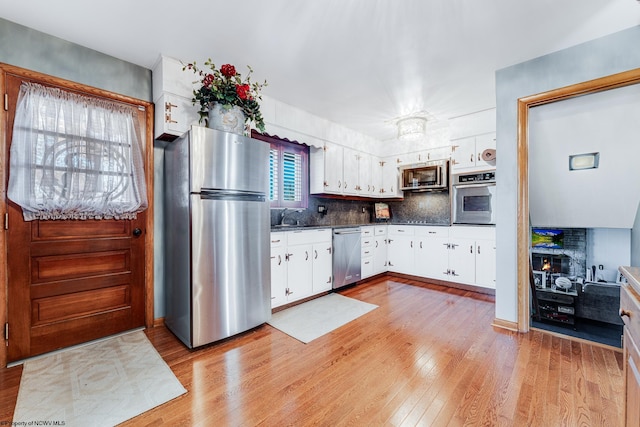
(427, 356)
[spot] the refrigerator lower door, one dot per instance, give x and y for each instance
(231, 289)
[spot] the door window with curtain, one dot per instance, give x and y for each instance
(75, 157)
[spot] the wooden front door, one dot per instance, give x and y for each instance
(70, 281)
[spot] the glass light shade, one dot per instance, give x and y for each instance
(584, 161)
(412, 128)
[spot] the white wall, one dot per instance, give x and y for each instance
(598, 58)
(609, 247)
(605, 122)
(477, 123)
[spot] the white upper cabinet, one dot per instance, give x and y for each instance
(467, 153)
(172, 94)
(350, 174)
(335, 169)
(390, 179)
(377, 173)
(365, 182)
(326, 166)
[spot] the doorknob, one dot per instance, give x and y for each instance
(137, 232)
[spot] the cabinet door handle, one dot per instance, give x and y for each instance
(411, 244)
(478, 251)
(420, 244)
(306, 255)
(376, 243)
(339, 183)
(329, 249)
(479, 157)
(279, 260)
(316, 253)
(624, 312)
(471, 158)
(329, 281)
(470, 249)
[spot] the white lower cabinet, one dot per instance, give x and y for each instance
(301, 264)
(486, 262)
(400, 249)
(367, 241)
(474, 257)
(301, 260)
(322, 266)
(432, 253)
(462, 260)
(278, 269)
(380, 249)
(461, 254)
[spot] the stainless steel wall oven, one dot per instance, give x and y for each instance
(474, 198)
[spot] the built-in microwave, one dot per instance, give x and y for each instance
(426, 176)
(474, 198)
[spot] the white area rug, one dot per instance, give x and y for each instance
(312, 319)
(99, 384)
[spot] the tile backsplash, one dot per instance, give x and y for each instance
(428, 208)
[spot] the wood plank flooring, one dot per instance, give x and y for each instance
(427, 356)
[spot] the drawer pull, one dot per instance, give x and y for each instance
(624, 312)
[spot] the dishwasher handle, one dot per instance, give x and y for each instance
(347, 232)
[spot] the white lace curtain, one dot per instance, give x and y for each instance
(74, 157)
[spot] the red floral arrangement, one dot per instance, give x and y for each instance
(226, 87)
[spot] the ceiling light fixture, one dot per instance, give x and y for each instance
(412, 128)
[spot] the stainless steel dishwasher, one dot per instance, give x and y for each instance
(346, 256)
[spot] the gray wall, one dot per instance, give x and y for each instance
(23, 47)
(598, 58)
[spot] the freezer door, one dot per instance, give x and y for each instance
(222, 160)
(231, 288)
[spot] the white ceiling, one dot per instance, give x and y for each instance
(360, 63)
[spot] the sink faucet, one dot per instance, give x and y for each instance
(282, 215)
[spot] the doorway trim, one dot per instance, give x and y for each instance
(613, 81)
(149, 176)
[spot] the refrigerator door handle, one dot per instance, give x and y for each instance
(245, 196)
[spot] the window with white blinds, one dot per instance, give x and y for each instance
(274, 182)
(288, 173)
(291, 176)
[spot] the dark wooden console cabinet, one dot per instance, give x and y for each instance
(557, 306)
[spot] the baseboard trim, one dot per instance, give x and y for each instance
(158, 322)
(505, 324)
(462, 286)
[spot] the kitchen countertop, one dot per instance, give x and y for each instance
(370, 224)
(633, 276)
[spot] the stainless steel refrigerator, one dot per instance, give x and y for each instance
(217, 224)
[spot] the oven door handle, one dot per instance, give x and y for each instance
(487, 184)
